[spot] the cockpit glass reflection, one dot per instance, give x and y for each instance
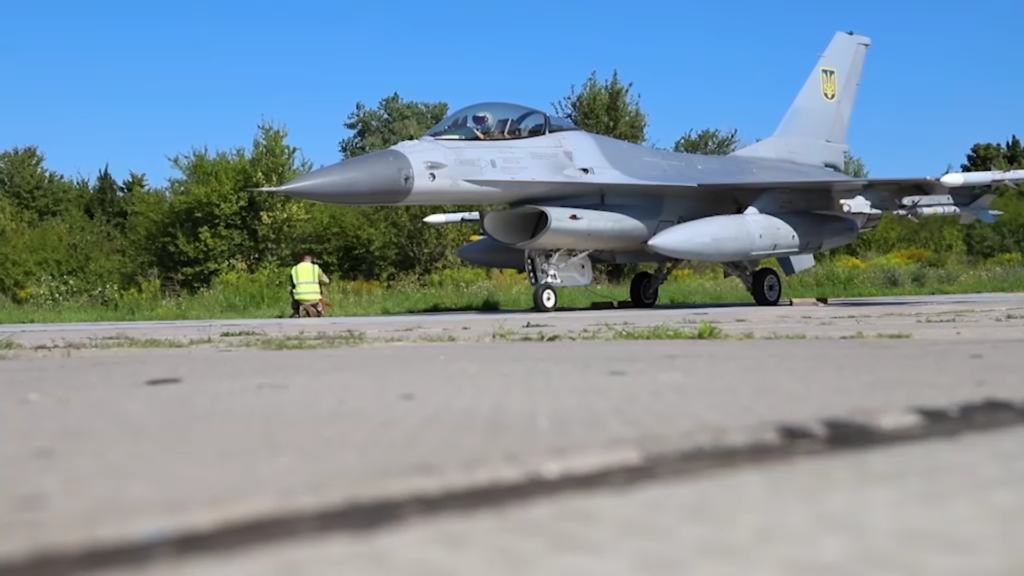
(498, 121)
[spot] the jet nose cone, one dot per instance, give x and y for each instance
(383, 177)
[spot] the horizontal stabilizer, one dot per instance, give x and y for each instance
(927, 206)
(980, 209)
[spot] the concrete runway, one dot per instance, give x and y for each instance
(968, 315)
(941, 508)
(124, 435)
(989, 300)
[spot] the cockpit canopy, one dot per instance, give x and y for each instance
(498, 121)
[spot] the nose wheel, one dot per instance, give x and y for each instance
(545, 299)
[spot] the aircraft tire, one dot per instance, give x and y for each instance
(545, 299)
(766, 287)
(640, 293)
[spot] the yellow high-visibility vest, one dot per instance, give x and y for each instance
(306, 277)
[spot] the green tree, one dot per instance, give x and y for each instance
(939, 235)
(49, 248)
(61, 255)
(382, 242)
(57, 258)
(274, 217)
(607, 108)
(146, 230)
(346, 243)
(1006, 235)
(392, 121)
(992, 156)
(135, 182)
(853, 166)
(36, 191)
(106, 201)
(711, 141)
(216, 223)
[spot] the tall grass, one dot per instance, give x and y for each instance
(265, 295)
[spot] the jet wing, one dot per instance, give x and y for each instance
(911, 197)
(572, 186)
(925, 185)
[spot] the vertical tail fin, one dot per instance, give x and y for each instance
(813, 131)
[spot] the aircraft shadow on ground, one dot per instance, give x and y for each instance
(504, 311)
(495, 311)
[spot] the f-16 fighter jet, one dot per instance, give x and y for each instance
(575, 199)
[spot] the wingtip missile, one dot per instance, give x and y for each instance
(991, 177)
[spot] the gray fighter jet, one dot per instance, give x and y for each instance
(574, 198)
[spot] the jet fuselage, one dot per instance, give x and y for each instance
(548, 167)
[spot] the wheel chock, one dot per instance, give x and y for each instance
(808, 301)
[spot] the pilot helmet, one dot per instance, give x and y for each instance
(483, 121)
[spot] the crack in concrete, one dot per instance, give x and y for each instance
(786, 441)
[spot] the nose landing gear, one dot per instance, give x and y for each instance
(548, 269)
(545, 299)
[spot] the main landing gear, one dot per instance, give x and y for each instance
(764, 284)
(643, 289)
(548, 270)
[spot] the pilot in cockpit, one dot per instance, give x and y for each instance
(485, 128)
(502, 130)
(482, 124)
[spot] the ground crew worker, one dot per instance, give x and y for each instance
(306, 278)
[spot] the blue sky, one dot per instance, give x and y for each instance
(130, 83)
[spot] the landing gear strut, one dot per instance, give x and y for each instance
(548, 269)
(643, 289)
(764, 284)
